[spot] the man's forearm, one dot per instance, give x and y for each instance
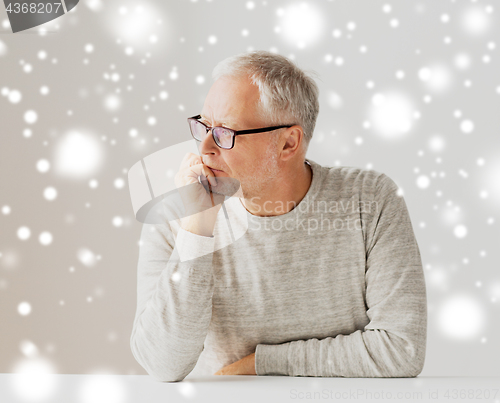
(173, 316)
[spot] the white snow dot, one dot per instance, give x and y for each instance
(386, 8)
(42, 54)
(119, 183)
(23, 233)
(445, 18)
(200, 79)
(89, 48)
(151, 120)
(93, 183)
(30, 116)
(351, 26)
(42, 165)
(112, 102)
(460, 231)
(44, 90)
(163, 94)
(212, 39)
(45, 238)
(6, 210)
(250, 5)
(50, 193)
(24, 308)
(117, 221)
(423, 181)
(28, 68)
(462, 61)
(86, 257)
(436, 143)
(15, 96)
(461, 317)
(467, 126)
(28, 348)
(424, 74)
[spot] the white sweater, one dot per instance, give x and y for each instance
(334, 287)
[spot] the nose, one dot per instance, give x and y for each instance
(207, 145)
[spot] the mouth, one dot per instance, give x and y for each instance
(213, 169)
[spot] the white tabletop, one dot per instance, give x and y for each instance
(64, 388)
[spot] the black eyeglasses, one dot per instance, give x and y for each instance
(222, 136)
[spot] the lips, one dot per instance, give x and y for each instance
(215, 169)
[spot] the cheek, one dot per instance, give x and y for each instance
(247, 159)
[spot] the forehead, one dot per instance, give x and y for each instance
(232, 101)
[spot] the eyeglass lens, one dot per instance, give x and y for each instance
(223, 137)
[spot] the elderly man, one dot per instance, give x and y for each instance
(326, 281)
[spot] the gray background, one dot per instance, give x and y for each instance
(69, 303)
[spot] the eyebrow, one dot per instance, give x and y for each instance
(223, 124)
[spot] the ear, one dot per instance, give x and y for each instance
(293, 137)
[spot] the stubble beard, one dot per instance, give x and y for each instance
(265, 173)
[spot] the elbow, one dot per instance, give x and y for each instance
(410, 372)
(158, 372)
(416, 368)
(166, 377)
(411, 368)
(407, 371)
(409, 363)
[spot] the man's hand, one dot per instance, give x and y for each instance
(245, 366)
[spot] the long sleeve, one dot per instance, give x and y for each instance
(393, 343)
(174, 301)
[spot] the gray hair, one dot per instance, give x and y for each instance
(288, 95)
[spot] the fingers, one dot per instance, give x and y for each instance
(209, 174)
(201, 169)
(190, 159)
(193, 164)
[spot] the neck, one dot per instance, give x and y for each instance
(283, 194)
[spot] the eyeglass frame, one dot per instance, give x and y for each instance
(235, 132)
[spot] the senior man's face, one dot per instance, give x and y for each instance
(254, 159)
